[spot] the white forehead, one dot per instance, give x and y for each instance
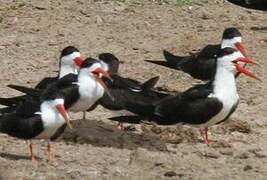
(70, 57)
(94, 67)
(230, 42)
(59, 101)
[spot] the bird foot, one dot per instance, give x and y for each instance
(33, 159)
(50, 156)
(120, 126)
(84, 115)
(209, 142)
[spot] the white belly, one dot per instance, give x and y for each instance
(228, 103)
(88, 96)
(51, 124)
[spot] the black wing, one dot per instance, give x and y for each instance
(201, 65)
(122, 95)
(193, 107)
(66, 88)
(45, 82)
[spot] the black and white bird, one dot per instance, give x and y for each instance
(36, 119)
(126, 89)
(202, 65)
(202, 105)
(44, 116)
(70, 61)
(81, 91)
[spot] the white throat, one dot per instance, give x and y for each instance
(225, 91)
(89, 90)
(67, 69)
(67, 64)
(51, 118)
(104, 65)
(224, 83)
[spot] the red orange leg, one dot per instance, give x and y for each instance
(204, 135)
(120, 126)
(50, 155)
(32, 157)
(84, 115)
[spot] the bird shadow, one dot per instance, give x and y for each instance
(260, 28)
(103, 134)
(258, 6)
(13, 156)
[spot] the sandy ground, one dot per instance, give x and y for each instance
(32, 33)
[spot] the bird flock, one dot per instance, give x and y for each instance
(84, 83)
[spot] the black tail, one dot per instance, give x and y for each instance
(14, 101)
(7, 110)
(149, 84)
(26, 90)
(175, 61)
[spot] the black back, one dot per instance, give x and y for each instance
(65, 88)
(23, 123)
(200, 66)
(192, 106)
(123, 94)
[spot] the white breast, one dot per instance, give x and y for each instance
(52, 120)
(90, 91)
(225, 91)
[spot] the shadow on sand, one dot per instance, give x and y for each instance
(99, 133)
(13, 156)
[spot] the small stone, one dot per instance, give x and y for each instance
(211, 155)
(243, 156)
(261, 154)
(170, 174)
(227, 152)
(99, 20)
(247, 167)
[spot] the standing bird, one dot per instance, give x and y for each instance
(202, 65)
(36, 119)
(202, 105)
(125, 89)
(39, 118)
(80, 91)
(70, 61)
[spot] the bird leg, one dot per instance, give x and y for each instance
(50, 155)
(204, 135)
(120, 126)
(32, 157)
(84, 115)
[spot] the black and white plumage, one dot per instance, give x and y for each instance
(125, 89)
(36, 119)
(43, 115)
(80, 91)
(70, 61)
(202, 105)
(202, 65)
